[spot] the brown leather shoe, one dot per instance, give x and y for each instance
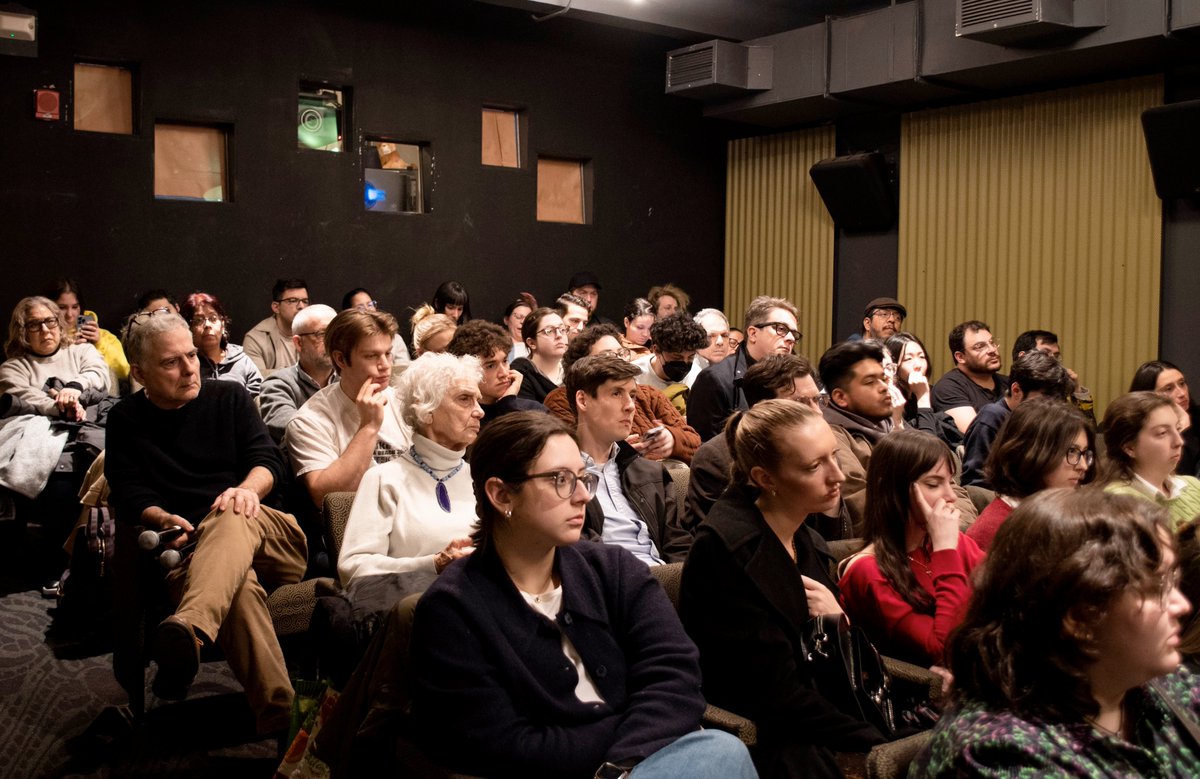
(177, 653)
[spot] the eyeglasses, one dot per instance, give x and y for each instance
(49, 323)
(623, 353)
(319, 334)
(1074, 454)
(781, 329)
(565, 481)
(815, 402)
(983, 346)
(142, 317)
(1168, 583)
(888, 314)
(294, 301)
(371, 304)
(200, 320)
(553, 331)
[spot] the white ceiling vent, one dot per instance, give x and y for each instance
(718, 69)
(1013, 22)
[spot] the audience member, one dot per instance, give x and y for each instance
(910, 586)
(736, 336)
(1034, 374)
(546, 338)
(974, 381)
(753, 579)
(494, 634)
(677, 440)
(667, 300)
(634, 505)
(498, 384)
(716, 326)
(785, 376)
(1164, 378)
(219, 359)
(412, 516)
(514, 316)
(674, 341)
(431, 331)
(157, 300)
(197, 456)
(1056, 666)
(1046, 341)
(574, 312)
(1043, 445)
(287, 389)
(355, 423)
(912, 382)
(1143, 445)
(451, 299)
(883, 318)
(639, 315)
(362, 300)
(82, 326)
(269, 343)
(770, 329)
(585, 285)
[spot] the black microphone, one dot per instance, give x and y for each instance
(152, 539)
(171, 558)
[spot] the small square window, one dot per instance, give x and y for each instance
(393, 176)
(103, 99)
(320, 117)
(190, 162)
(562, 190)
(501, 138)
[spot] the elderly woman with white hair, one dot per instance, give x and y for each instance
(412, 516)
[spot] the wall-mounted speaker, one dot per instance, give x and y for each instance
(1171, 132)
(857, 191)
(46, 104)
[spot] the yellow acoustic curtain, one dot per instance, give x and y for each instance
(778, 235)
(1036, 212)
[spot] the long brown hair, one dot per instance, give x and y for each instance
(1032, 442)
(1123, 422)
(898, 460)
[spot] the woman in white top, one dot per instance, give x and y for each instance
(412, 516)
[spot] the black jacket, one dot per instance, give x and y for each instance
(649, 489)
(716, 394)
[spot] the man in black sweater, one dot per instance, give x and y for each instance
(200, 458)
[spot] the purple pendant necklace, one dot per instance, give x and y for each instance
(443, 494)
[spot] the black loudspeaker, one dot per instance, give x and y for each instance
(1172, 132)
(856, 191)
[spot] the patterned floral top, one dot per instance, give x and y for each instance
(975, 742)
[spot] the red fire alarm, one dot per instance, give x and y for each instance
(46, 103)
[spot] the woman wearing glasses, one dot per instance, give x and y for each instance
(1067, 663)
(219, 359)
(1044, 444)
(542, 656)
(546, 338)
(909, 587)
(1143, 442)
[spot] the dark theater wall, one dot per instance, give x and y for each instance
(82, 203)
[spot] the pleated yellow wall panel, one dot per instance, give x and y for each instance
(1036, 212)
(778, 235)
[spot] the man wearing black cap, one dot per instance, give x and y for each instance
(883, 318)
(584, 284)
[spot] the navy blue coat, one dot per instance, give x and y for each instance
(493, 693)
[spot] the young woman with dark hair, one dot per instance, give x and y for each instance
(219, 359)
(538, 655)
(1044, 444)
(1067, 663)
(546, 338)
(639, 316)
(911, 359)
(909, 587)
(1164, 378)
(451, 299)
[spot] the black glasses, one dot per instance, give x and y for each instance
(142, 317)
(370, 304)
(293, 301)
(50, 323)
(565, 481)
(1074, 454)
(781, 329)
(319, 334)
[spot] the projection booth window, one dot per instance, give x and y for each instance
(321, 114)
(564, 190)
(502, 138)
(191, 162)
(103, 98)
(394, 176)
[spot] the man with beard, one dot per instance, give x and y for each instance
(975, 381)
(286, 390)
(883, 318)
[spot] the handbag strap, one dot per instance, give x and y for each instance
(1180, 713)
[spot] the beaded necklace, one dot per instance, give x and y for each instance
(443, 494)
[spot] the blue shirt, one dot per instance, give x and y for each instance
(622, 527)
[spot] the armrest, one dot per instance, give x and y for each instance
(720, 719)
(914, 677)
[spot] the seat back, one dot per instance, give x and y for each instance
(669, 576)
(680, 476)
(336, 508)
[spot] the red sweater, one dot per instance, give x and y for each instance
(983, 530)
(893, 625)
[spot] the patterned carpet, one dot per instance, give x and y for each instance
(58, 711)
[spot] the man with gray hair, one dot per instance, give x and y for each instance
(716, 325)
(197, 457)
(286, 390)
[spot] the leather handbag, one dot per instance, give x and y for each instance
(849, 671)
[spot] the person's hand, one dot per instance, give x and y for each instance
(459, 547)
(1185, 419)
(244, 501)
(371, 401)
(947, 681)
(941, 519)
(66, 399)
(820, 600)
(515, 387)
(167, 521)
(918, 385)
(656, 447)
(89, 333)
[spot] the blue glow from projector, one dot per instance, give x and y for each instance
(374, 195)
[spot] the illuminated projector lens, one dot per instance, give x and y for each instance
(311, 120)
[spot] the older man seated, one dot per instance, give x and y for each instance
(287, 389)
(198, 457)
